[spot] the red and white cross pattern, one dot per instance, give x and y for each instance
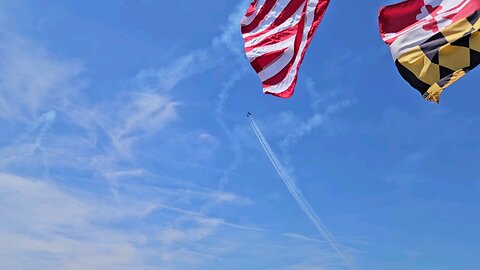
(409, 23)
(431, 14)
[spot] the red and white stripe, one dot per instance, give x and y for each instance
(277, 34)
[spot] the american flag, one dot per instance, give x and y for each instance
(277, 34)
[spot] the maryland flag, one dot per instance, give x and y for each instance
(433, 42)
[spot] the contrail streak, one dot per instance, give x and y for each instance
(297, 195)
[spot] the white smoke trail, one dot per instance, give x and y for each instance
(297, 195)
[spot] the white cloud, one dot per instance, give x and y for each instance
(33, 81)
(144, 115)
(314, 121)
(128, 173)
(303, 238)
(167, 78)
(54, 229)
(59, 229)
(230, 38)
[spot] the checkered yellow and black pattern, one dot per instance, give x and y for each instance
(443, 59)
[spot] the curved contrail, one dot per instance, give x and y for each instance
(297, 195)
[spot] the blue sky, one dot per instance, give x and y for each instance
(124, 145)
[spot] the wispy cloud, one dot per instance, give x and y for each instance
(303, 238)
(166, 78)
(143, 116)
(28, 77)
(55, 230)
(230, 37)
(315, 121)
(59, 229)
